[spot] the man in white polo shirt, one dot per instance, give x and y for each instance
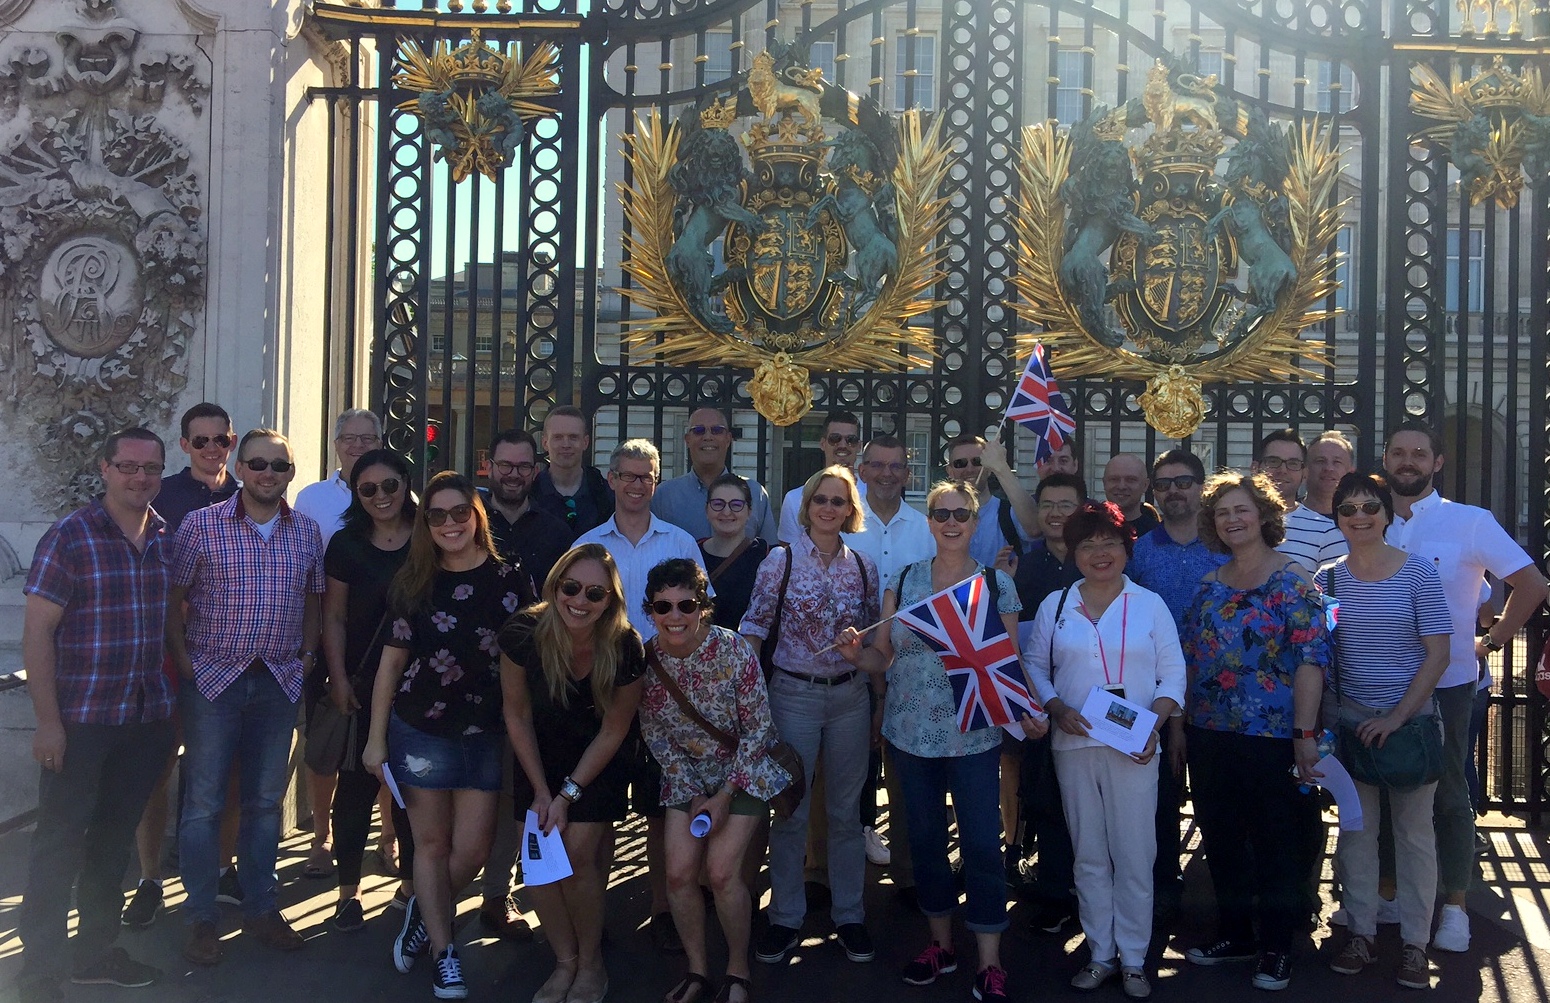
(1463, 542)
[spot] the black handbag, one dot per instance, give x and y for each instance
(1408, 760)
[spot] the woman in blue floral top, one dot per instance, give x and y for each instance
(1256, 624)
(436, 710)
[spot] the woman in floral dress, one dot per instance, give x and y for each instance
(436, 711)
(718, 674)
(1257, 623)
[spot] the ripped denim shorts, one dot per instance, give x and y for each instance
(444, 762)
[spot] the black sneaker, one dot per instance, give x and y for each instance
(990, 985)
(1219, 953)
(349, 917)
(856, 941)
(143, 907)
(775, 944)
(115, 968)
(1274, 970)
(412, 940)
(229, 890)
(1052, 917)
(934, 961)
(448, 983)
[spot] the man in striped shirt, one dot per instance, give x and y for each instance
(1312, 538)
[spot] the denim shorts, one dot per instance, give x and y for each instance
(444, 762)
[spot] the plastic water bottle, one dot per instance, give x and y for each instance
(699, 825)
(1326, 745)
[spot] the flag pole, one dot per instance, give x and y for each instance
(867, 630)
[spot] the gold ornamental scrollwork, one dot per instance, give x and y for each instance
(1495, 127)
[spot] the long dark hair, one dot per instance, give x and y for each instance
(411, 587)
(356, 519)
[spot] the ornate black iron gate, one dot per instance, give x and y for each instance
(490, 301)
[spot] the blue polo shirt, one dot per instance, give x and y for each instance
(1173, 570)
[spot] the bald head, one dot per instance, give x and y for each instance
(1124, 482)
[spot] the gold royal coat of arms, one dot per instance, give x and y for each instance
(828, 242)
(1139, 261)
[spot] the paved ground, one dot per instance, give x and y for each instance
(1510, 960)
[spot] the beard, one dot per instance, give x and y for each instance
(1410, 486)
(512, 495)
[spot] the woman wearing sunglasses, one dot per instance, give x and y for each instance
(727, 777)
(1391, 647)
(570, 675)
(730, 556)
(361, 560)
(436, 710)
(920, 723)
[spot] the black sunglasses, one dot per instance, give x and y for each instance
(1367, 508)
(261, 464)
(944, 514)
(1183, 482)
(201, 441)
(835, 438)
(712, 429)
(838, 501)
(662, 607)
(964, 461)
(573, 588)
(457, 513)
(368, 489)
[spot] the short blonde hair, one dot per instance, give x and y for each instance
(941, 488)
(857, 518)
(1272, 510)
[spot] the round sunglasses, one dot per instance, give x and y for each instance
(368, 489)
(457, 513)
(662, 607)
(573, 588)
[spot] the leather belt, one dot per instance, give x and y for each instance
(823, 680)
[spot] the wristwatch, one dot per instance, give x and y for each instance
(570, 790)
(1491, 644)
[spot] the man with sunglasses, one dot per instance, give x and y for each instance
(357, 431)
(250, 570)
(681, 500)
(974, 461)
(1312, 538)
(568, 487)
(92, 648)
(840, 440)
(208, 440)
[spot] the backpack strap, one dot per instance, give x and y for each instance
(1009, 532)
(1059, 608)
(682, 699)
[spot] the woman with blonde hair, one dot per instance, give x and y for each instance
(571, 670)
(435, 711)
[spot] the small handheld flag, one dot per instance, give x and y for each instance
(1038, 404)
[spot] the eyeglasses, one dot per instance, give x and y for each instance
(358, 440)
(130, 469)
(224, 441)
(662, 607)
(260, 464)
(1366, 508)
(944, 514)
(1276, 463)
(965, 461)
(879, 466)
(1183, 482)
(389, 486)
(1060, 507)
(723, 504)
(838, 501)
(504, 468)
(457, 513)
(573, 588)
(629, 478)
(835, 438)
(712, 429)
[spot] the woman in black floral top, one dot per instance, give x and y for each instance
(436, 711)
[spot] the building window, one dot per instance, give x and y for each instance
(718, 56)
(1209, 64)
(915, 88)
(1072, 67)
(918, 440)
(1324, 95)
(1345, 246)
(1475, 261)
(438, 342)
(820, 56)
(484, 341)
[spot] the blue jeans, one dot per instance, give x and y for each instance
(251, 722)
(975, 784)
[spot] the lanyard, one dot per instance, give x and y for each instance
(1124, 625)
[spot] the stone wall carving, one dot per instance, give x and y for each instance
(102, 248)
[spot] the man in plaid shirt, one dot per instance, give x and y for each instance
(251, 572)
(92, 649)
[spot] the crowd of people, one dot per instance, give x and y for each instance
(564, 647)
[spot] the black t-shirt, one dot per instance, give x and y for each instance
(452, 685)
(535, 541)
(1039, 573)
(351, 558)
(734, 588)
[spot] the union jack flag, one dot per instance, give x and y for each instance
(962, 626)
(1038, 404)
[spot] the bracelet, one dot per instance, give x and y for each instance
(1305, 733)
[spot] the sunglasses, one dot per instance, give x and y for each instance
(957, 514)
(662, 607)
(835, 438)
(130, 469)
(224, 441)
(1183, 482)
(260, 464)
(966, 461)
(1366, 508)
(573, 588)
(457, 513)
(838, 501)
(368, 489)
(712, 429)
(734, 504)
(505, 468)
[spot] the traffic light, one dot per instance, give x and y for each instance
(432, 441)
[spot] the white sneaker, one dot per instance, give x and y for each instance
(1452, 931)
(1388, 914)
(876, 849)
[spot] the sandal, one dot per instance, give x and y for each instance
(735, 982)
(320, 863)
(692, 983)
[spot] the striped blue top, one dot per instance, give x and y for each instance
(1381, 624)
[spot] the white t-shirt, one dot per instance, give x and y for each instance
(1463, 543)
(325, 502)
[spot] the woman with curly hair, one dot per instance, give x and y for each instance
(1255, 626)
(571, 670)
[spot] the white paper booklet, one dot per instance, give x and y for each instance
(1116, 722)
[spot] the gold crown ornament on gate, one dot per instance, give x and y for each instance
(1495, 127)
(829, 241)
(1138, 277)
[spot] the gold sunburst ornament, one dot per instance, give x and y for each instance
(1495, 127)
(475, 98)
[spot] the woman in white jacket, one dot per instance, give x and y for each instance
(1105, 631)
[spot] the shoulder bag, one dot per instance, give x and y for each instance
(332, 735)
